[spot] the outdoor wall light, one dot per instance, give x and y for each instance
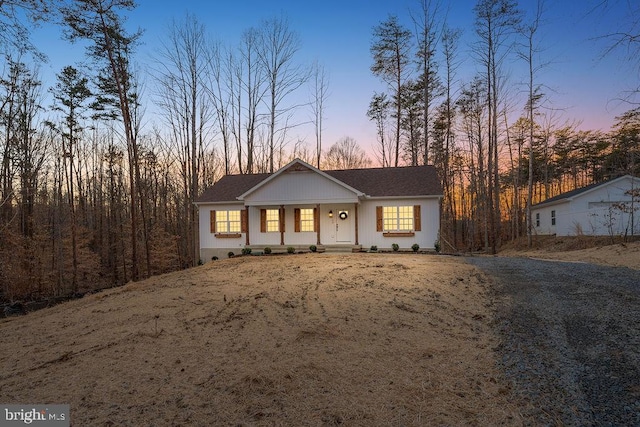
(330, 214)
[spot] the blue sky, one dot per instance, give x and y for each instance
(338, 35)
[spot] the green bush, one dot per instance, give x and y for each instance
(246, 251)
(395, 247)
(313, 248)
(230, 254)
(291, 250)
(436, 246)
(214, 258)
(374, 248)
(415, 247)
(267, 250)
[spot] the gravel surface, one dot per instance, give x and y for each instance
(570, 339)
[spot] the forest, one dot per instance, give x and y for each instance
(91, 199)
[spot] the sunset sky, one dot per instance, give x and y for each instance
(338, 34)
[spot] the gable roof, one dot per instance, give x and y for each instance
(297, 165)
(407, 181)
(570, 195)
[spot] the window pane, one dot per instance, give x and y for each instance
(306, 220)
(234, 221)
(389, 218)
(222, 226)
(273, 220)
(405, 217)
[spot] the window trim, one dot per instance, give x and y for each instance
(310, 222)
(272, 221)
(213, 223)
(415, 219)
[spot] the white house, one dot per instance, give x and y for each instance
(606, 208)
(300, 205)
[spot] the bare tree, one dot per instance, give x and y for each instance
(496, 22)
(255, 84)
(277, 50)
(346, 154)
(379, 113)
(15, 34)
(319, 96)
(217, 85)
(534, 96)
(183, 62)
(625, 38)
(450, 41)
(427, 32)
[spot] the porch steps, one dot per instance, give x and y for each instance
(341, 248)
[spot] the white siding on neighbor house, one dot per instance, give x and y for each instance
(546, 227)
(300, 187)
(594, 212)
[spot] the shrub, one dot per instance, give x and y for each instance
(246, 251)
(395, 247)
(267, 250)
(415, 247)
(374, 248)
(436, 246)
(291, 250)
(200, 261)
(313, 248)
(214, 258)
(230, 254)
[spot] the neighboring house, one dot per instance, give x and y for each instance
(603, 209)
(300, 205)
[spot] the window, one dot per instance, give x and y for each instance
(273, 220)
(553, 217)
(397, 218)
(538, 219)
(228, 221)
(307, 220)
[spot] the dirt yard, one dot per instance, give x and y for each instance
(596, 250)
(314, 339)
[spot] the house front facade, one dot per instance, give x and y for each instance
(300, 205)
(602, 209)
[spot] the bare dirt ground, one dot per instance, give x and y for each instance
(596, 250)
(315, 339)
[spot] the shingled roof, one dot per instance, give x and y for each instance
(573, 193)
(408, 181)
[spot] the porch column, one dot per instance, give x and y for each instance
(316, 218)
(356, 215)
(282, 225)
(246, 225)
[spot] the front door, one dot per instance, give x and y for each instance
(344, 226)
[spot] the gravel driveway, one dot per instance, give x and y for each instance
(570, 339)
